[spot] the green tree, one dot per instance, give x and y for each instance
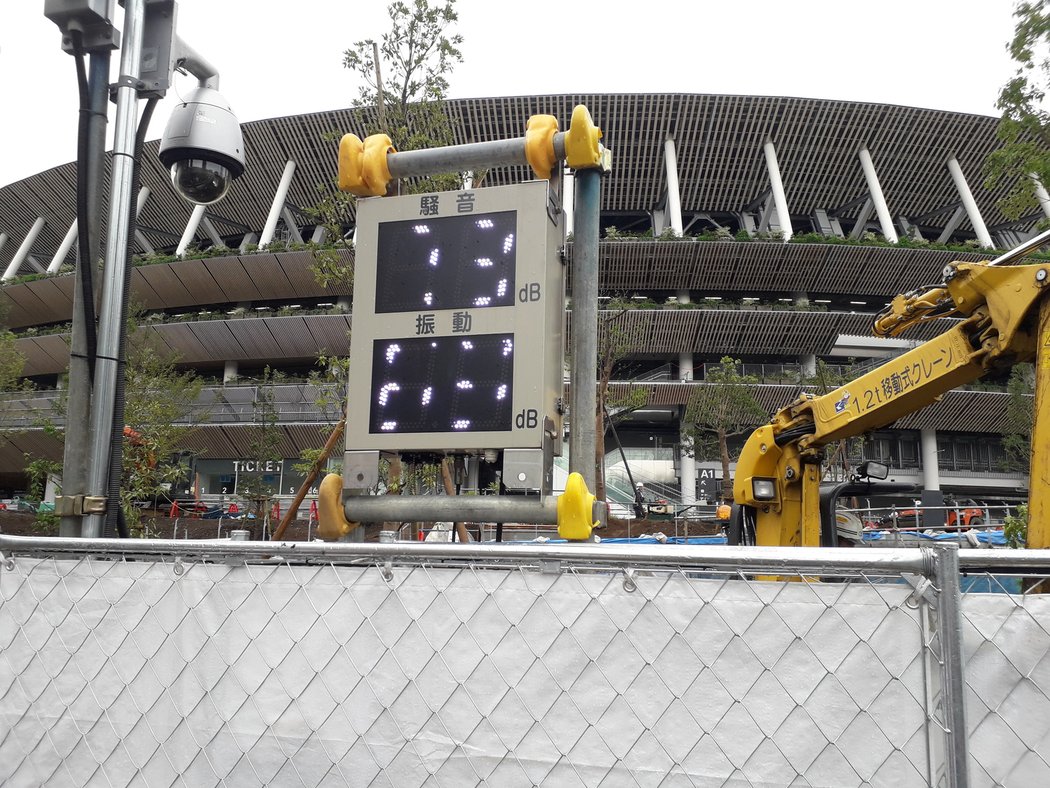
(840, 454)
(405, 74)
(614, 342)
(1017, 434)
(1025, 125)
(160, 412)
(264, 446)
(12, 362)
(722, 408)
(404, 77)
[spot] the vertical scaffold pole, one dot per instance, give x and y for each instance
(584, 400)
(949, 634)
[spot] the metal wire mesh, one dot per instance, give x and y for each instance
(1006, 649)
(412, 673)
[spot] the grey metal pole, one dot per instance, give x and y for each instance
(459, 508)
(78, 403)
(121, 203)
(474, 155)
(584, 401)
(949, 634)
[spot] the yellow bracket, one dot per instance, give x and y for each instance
(575, 510)
(582, 149)
(539, 144)
(351, 149)
(331, 519)
(363, 169)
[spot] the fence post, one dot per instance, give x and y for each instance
(949, 634)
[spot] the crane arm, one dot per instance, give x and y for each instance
(779, 471)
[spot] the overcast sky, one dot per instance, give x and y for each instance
(286, 58)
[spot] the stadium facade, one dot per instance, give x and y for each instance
(732, 225)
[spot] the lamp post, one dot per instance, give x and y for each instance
(203, 162)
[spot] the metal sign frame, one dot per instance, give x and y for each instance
(535, 320)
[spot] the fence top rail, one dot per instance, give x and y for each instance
(1005, 561)
(759, 560)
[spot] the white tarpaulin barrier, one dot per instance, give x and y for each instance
(186, 672)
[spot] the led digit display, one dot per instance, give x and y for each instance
(448, 262)
(442, 384)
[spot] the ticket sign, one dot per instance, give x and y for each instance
(458, 321)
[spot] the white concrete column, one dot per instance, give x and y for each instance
(63, 249)
(3, 241)
(808, 361)
(931, 473)
(24, 249)
(686, 461)
(191, 229)
(249, 238)
(140, 203)
(278, 203)
(875, 190)
(229, 372)
(568, 181)
(1040, 195)
(674, 199)
(972, 212)
(776, 184)
(320, 234)
(211, 232)
(468, 180)
(289, 222)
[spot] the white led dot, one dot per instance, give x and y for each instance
(461, 424)
(482, 301)
(485, 224)
(467, 344)
(428, 392)
(435, 255)
(388, 425)
(464, 384)
(428, 299)
(508, 243)
(384, 392)
(501, 288)
(391, 352)
(484, 262)
(501, 392)
(421, 229)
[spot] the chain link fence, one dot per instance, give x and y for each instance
(216, 663)
(1006, 657)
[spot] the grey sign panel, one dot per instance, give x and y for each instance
(458, 322)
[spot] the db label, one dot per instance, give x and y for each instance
(527, 419)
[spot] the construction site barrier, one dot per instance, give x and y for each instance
(214, 662)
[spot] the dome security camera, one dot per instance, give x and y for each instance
(203, 146)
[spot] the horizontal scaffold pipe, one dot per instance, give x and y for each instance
(749, 560)
(470, 156)
(457, 509)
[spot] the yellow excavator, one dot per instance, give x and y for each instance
(1005, 319)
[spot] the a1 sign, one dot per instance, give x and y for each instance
(458, 321)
